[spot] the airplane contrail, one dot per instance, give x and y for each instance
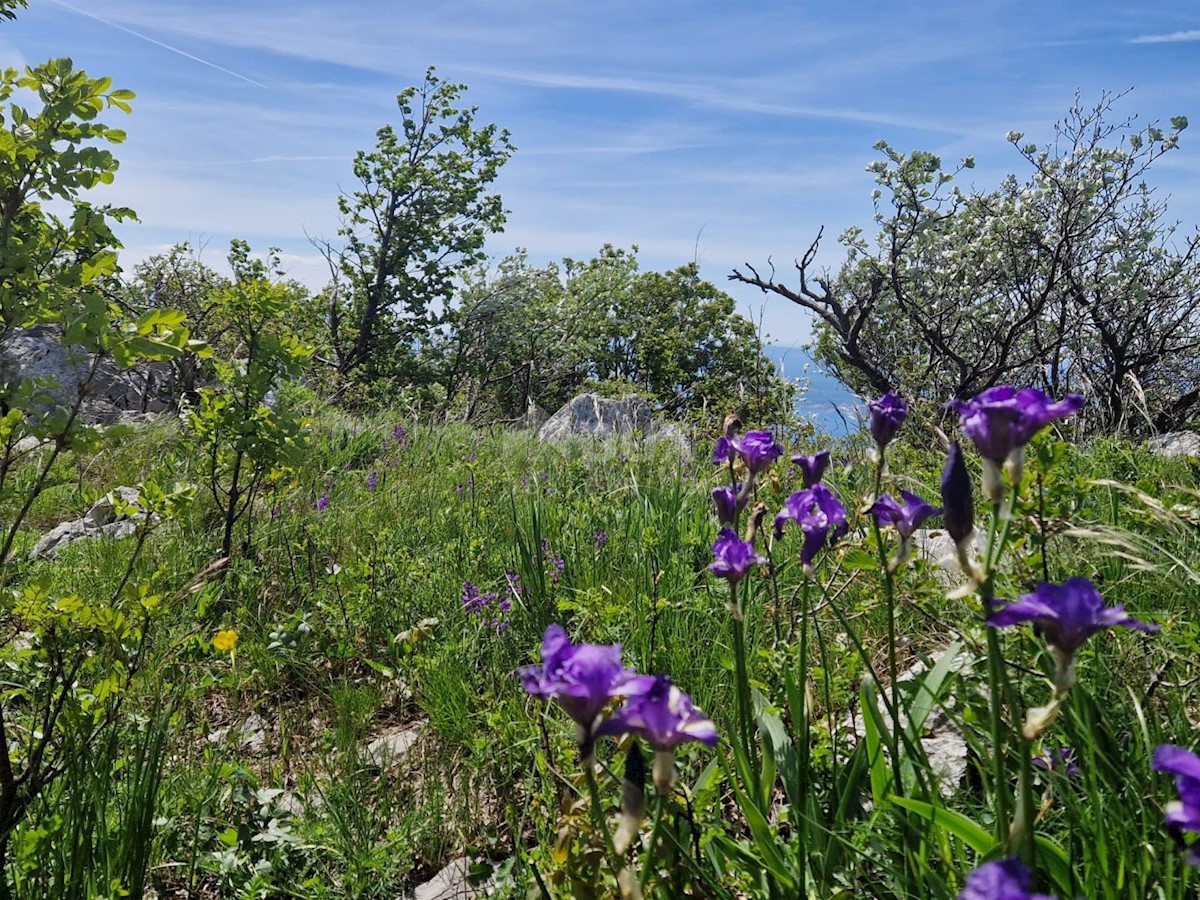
(147, 38)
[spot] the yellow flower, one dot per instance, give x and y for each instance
(225, 640)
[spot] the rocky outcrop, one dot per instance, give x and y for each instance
(1176, 443)
(607, 418)
(60, 374)
(102, 520)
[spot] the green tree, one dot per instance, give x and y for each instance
(1070, 279)
(8, 8)
(178, 279)
(236, 426)
(538, 335)
(65, 680)
(417, 221)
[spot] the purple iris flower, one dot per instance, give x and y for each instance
(1066, 614)
(1004, 879)
(1182, 814)
(583, 678)
(723, 452)
(957, 501)
(322, 502)
(812, 467)
(907, 516)
(733, 556)
(887, 415)
(1059, 760)
(372, 480)
(818, 513)
(757, 449)
(1003, 419)
(663, 716)
(725, 499)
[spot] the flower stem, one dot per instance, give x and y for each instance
(648, 863)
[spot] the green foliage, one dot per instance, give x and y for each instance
(417, 221)
(536, 336)
(1069, 278)
(244, 437)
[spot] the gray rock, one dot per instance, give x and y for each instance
(672, 434)
(452, 883)
(597, 416)
(607, 418)
(61, 375)
(936, 546)
(1176, 443)
(101, 521)
(250, 734)
(389, 750)
(535, 417)
(941, 739)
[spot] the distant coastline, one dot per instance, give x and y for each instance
(827, 402)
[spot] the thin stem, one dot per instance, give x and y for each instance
(745, 712)
(598, 819)
(656, 831)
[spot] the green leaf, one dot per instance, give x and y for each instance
(873, 728)
(973, 835)
(859, 560)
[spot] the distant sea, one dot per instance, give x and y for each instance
(827, 402)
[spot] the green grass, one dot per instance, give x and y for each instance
(350, 623)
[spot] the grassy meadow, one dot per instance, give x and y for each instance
(241, 764)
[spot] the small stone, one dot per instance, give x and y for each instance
(391, 748)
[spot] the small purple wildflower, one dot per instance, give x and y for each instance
(887, 415)
(582, 678)
(812, 468)
(1004, 879)
(555, 563)
(820, 516)
(1061, 759)
(400, 435)
(663, 716)
(485, 607)
(601, 540)
(907, 517)
(514, 584)
(322, 502)
(1182, 814)
(733, 556)
(474, 600)
(276, 511)
(1066, 614)
(372, 480)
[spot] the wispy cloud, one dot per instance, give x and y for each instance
(1174, 37)
(157, 43)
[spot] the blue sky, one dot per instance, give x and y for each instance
(721, 131)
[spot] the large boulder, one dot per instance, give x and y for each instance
(1176, 443)
(607, 418)
(102, 520)
(61, 373)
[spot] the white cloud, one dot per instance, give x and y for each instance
(1174, 37)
